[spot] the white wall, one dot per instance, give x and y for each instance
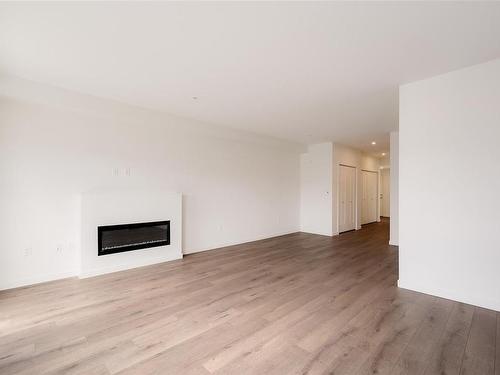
(394, 231)
(319, 185)
(449, 183)
(370, 163)
(55, 144)
(385, 161)
(316, 189)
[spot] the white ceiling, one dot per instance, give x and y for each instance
(305, 72)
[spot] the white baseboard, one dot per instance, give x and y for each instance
(451, 295)
(318, 233)
(122, 267)
(321, 233)
(37, 280)
(233, 243)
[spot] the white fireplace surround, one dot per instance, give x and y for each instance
(110, 207)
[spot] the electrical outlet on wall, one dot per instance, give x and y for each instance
(59, 248)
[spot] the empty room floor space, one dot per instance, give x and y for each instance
(295, 304)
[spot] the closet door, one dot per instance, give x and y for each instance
(347, 198)
(369, 197)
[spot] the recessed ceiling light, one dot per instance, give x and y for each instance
(195, 97)
(383, 153)
(374, 143)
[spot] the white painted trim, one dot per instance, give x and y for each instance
(101, 271)
(233, 243)
(451, 295)
(394, 189)
(125, 266)
(379, 208)
(320, 234)
(38, 280)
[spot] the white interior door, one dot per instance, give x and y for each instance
(369, 197)
(347, 198)
(385, 194)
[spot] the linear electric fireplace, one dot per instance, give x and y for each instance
(126, 237)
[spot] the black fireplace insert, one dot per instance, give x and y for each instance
(126, 237)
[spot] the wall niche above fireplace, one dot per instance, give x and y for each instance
(113, 239)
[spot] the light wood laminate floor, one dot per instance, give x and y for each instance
(297, 304)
